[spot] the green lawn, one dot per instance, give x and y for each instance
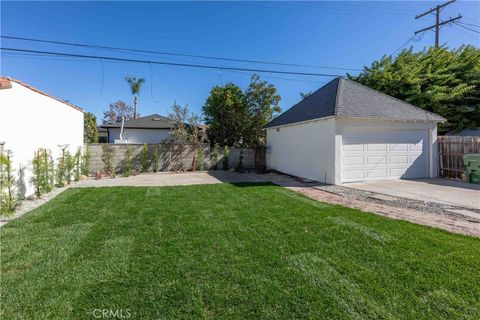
(230, 251)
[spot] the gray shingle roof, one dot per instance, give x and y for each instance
(153, 121)
(346, 98)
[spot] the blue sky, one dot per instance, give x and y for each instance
(338, 34)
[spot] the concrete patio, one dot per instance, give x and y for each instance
(188, 178)
(450, 192)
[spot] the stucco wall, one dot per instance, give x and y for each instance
(305, 150)
(29, 121)
(139, 135)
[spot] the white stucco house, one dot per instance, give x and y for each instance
(149, 129)
(346, 132)
(31, 119)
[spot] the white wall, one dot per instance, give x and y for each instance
(139, 135)
(30, 120)
(305, 150)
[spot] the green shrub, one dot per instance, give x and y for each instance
(43, 178)
(85, 161)
(61, 172)
(200, 159)
(156, 158)
(78, 164)
(127, 171)
(69, 166)
(8, 199)
(239, 167)
(108, 153)
(145, 163)
(226, 153)
(214, 156)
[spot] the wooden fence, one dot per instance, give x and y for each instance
(451, 150)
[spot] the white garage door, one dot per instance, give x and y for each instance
(376, 155)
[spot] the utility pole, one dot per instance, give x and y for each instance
(437, 24)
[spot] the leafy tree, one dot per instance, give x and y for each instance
(226, 114)
(135, 87)
(262, 103)
(116, 111)
(197, 137)
(440, 80)
(236, 117)
(179, 132)
(186, 131)
(90, 132)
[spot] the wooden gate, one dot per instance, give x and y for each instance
(451, 150)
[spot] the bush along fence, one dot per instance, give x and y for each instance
(451, 150)
(130, 159)
(46, 174)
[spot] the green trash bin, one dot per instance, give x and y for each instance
(472, 167)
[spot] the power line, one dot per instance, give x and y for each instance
(469, 24)
(169, 63)
(174, 53)
(412, 38)
(467, 28)
(437, 20)
(280, 78)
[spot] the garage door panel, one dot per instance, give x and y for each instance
(397, 172)
(370, 155)
(399, 159)
(398, 147)
(416, 147)
(353, 147)
(354, 174)
(376, 160)
(353, 160)
(376, 147)
(377, 173)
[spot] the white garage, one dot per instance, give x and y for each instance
(346, 132)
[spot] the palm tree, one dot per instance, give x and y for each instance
(135, 86)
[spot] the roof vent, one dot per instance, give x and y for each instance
(156, 119)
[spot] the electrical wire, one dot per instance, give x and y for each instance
(469, 24)
(62, 54)
(174, 53)
(412, 38)
(466, 28)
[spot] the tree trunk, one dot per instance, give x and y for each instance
(135, 101)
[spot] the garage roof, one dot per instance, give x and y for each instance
(346, 98)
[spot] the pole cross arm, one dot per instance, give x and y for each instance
(440, 24)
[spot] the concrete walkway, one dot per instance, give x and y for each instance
(450, 192)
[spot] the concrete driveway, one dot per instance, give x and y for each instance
(450, 192)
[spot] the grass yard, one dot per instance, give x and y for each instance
(230, 251)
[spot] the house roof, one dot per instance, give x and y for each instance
(153, 121)
(346, 98)
(5, 83)
(466, 133)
